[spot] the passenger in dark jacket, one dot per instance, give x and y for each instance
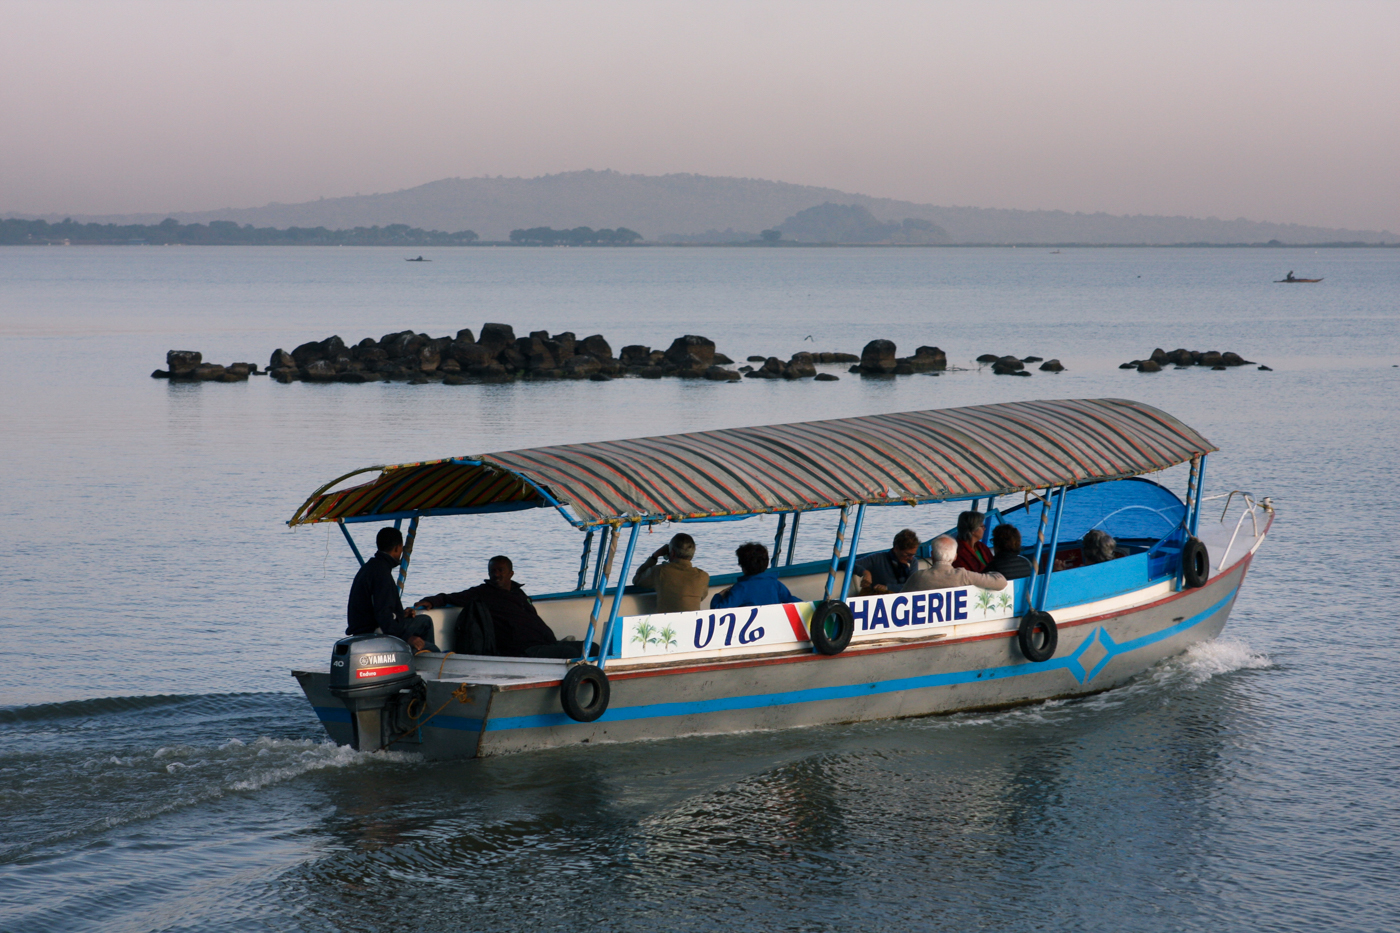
(518, 626)
(374, 598)
(756, 587)
(1007, 561)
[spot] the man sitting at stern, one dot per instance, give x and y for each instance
(679, 586)
(374, 597)
(757, 587)
(519, 630)
(941, 574)
(887, 571)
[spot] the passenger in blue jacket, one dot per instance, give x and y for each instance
(757, 587)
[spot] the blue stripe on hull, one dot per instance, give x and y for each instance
(342, 715)
(817, 694)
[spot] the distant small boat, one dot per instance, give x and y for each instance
(419, 259)
(1290, 279)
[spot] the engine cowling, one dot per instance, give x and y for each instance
(372, 675)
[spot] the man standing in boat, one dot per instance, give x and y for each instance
(680, 587)
(374, 597)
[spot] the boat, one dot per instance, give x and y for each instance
(1290, 279)
(419, 259)
(1055, 469)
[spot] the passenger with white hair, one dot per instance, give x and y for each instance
(941, 574)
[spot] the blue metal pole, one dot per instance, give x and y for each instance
(613, 610)
(583, 561)
(1200, 494)
(778, 538)
(407, 552)
(855, 549)
(836, 552)
(1054, 543)
(606, 549)
(351, 541)
(792, 538)
(1040, 536)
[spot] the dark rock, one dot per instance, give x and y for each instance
(284, 374)
(389, 342)
(450, 365)
(1008, 366)
(1267, 369)
(1149, 366)
(536, 353)
(512, 359)
(844, 358)
(1232, 359)
(1051, 366)
(207, 372)
(774, 367)
(1129, 365)
(355, 377)
(902, 367)
(1220, 367)
(496, 337)
(924, 360)
(160, 374)
(801, 366)
(371, 354)
(232, 377)
(600, 377)
(367, 343)
(824, 357)
(565, 345)
(1209, 358)
(280, 359)
(1181, 357)
(307, 352)
(238, 370)
(760, 374)
(745, 369)
(595, 346)
(854, 369)
(1032, 359)
(827, 377)
(428, 357)
(656, 358)
(635, 355)
(453, 379)
(464, 337)
(723, 360)
(1159, 356)
(318, 371)
(878, 359)
(702, 349)
(757, 359)
(489, 371)
(418, 381)
(650, 372)
(581, 366)
(182, 363)
(720, 374)
(988, 358)
(1019, 372)
(468, 355)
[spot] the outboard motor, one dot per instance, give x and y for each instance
(373, 676)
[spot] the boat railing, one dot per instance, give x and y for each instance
(1250, 510)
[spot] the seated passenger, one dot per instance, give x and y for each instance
(1007, 559)
(972, 553)
(757, 587)
(941, 574)
(374, 597)
(679, 586)
(1098, 546)
(518, 627)
(886, 571)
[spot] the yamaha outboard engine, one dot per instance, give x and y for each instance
(373, 676)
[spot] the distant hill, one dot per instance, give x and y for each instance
(685, 207)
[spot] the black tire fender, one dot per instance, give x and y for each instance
(1042, 648)
(1195, 563)
(585, 692)
(832, 626)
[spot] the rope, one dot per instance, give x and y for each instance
(461, 695)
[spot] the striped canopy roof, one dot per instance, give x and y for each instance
(910, 456)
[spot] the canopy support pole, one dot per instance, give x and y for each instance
(836, 552)
(1200, 496)
(583, 561)
(606, 549)
(1054, 544)
(1191, 494)
(407, 551)
(617, 596)
(778, 538)
(792, 538)
(855, 549)
(350, 541)
(1040, 535)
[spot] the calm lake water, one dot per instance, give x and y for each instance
(158, 771)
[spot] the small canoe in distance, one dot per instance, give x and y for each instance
(1293, 281)
(421, 259)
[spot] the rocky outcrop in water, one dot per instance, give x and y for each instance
(189, 366)
(1182, 358)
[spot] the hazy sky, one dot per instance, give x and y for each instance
(1269, 110)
